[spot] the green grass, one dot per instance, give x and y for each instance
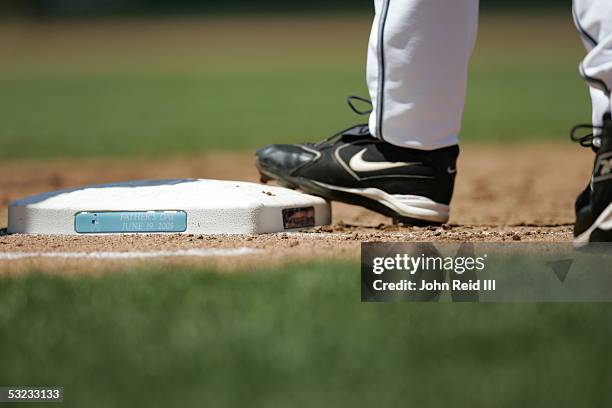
(126, 116)
(295, 336)
(191, 95)
(133, 115)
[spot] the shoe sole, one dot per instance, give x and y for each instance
(406, 209)
(599, 231)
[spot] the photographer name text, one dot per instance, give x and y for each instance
(455, 285)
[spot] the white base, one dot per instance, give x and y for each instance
(212, 206)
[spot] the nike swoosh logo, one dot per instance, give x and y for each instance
(357, 163)
(451, 170)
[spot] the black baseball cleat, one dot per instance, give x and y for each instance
(411, 186)
(594, 204)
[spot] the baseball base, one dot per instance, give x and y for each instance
(186, 206)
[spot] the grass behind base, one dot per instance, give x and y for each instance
(296, 336)
(189, 114)
(172, 86)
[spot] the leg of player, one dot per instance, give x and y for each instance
(403, 163)
(593, 18)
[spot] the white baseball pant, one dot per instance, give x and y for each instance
(418, 58)
(593, 19)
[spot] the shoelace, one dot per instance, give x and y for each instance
(360, 129)
(588, 140)
(350, 100)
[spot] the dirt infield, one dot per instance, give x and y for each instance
(511, 193)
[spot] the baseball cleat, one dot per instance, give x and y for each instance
(411, 186)
(594, 204)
